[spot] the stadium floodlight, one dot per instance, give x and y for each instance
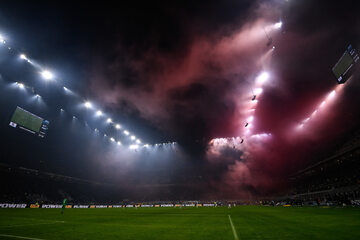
(263, 77)
(138, 141)
(250, 119)
(261, 135)
(21, 85)
(117, 126)
(278, 25)
(146, 145)
(273, 47)
(61, 109)
(99, 113)
(47, 75)
(118, 143)
(332, 94)
(23, 56)
(74, 117)
(322, 104)
(2, 39)
(109, 120)
(258, 91)
(112, 139)
(314, 113)
(133, 137)
(88, 104)
(133, 146)
(126, 133)
(37, 95)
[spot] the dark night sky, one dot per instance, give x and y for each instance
(181, 71)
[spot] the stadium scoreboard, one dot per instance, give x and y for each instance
(29, 122)
(344, 67)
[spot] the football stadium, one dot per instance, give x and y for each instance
(229, 120)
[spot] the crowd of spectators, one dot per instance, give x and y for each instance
(333, 180)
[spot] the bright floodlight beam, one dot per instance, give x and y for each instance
(99, 113)
(47, 75)
(126, 132)
(134, 146)
(263, 77)
(133, 137)
(258, 91)
(21, 85)
(117, 126)
(322, 104)
(250, 119)
(88, 105)
(23, 56)
(332, 94)
(2, 39)
(306, 120)
(138, 141)
(118, 143)
(278, 25)
(314, 113)
(112, 139)
(109, 120)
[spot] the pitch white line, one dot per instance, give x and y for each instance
(233, 229)
(20, 237)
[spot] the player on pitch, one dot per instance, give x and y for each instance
(63, 205)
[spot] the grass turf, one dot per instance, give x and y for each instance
(251, 222)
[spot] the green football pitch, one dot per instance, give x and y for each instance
(243, 222)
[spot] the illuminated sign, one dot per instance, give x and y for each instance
(29, 122)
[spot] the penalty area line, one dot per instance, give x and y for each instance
(19, 237)
(233, 229)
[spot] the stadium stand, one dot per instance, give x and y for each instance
(26, 185)
(333, 180)
(30, 186)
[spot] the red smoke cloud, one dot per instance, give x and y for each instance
(203, 90)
